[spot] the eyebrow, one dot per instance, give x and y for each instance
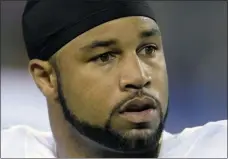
(98, 43)
(110, 42)
(149, 33)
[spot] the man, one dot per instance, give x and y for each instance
(101, 67)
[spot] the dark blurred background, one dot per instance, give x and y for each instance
(195, 42)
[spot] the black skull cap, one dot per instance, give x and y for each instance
(48, 25)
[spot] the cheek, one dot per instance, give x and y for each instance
(159, 83)
(160, 89)
(164, 90)
(88, 96)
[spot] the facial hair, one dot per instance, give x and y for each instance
(109, 139)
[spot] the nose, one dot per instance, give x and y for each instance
(134, 75)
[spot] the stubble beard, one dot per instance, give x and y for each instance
(123, 143)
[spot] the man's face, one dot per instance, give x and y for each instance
(113, 81)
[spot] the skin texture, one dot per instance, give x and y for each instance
(85, 86)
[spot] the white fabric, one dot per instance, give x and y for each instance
(207, 141)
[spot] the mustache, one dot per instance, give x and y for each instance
(142, 94)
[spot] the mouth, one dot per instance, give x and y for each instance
(133, 107)
(139, 110)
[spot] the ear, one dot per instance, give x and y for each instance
(44, 76)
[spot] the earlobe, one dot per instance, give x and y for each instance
(43, 75)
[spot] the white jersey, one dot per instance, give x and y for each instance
(207, 141)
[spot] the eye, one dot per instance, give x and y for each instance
(148, 50)
(105, 57)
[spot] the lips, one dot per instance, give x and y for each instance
(139, 110)
(138, 105)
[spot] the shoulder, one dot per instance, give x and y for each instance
(211, 129)
(209, 140)
(24, 141)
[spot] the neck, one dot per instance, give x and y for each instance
(80, 151)
(70, 146)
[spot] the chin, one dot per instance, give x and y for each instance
(139, 139)
(138, 134)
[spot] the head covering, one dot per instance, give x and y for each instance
(48, 25)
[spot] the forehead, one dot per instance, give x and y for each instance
(118, 28)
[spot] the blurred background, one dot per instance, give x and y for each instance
(195, 43)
